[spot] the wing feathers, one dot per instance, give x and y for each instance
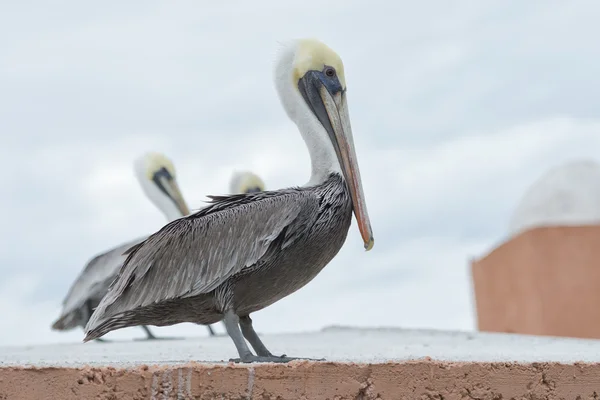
(196, 254)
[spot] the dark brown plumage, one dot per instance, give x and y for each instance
(228, 256)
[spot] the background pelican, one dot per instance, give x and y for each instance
(245, 182)
(245, 252)
(156, 175)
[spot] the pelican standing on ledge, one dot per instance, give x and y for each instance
(244, 252)
(156, 175)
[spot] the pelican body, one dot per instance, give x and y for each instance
(244, 252)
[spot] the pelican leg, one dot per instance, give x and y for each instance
(252, 337)
(211, 332)
(149, 334)
(233, 323)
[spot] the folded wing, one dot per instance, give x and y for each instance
(195, 254)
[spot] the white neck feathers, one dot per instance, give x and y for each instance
(322, 153)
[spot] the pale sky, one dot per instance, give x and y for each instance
(456, 107)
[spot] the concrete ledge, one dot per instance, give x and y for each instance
(308, 380)
(362, 364)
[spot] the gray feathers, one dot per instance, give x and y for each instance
(242, 251)
(90, 286)
(196, 254)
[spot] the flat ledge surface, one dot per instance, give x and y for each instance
(362, 364)
(335, 344)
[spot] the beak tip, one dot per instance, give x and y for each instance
(369, 244)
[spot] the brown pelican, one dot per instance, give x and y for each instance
(156, 175)
(244, 252)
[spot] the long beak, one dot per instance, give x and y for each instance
(172, 189)
(341, 137)
(332, 111)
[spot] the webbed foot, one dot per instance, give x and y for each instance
(251, 358)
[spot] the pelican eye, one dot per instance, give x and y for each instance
(330, 72)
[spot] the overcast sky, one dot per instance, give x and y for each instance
(457, 107)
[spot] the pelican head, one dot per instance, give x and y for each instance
(311, 84)
(246, 182)
(156, 174)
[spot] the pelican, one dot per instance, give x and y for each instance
(245, 182)
(156, 175)
(244, 252)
